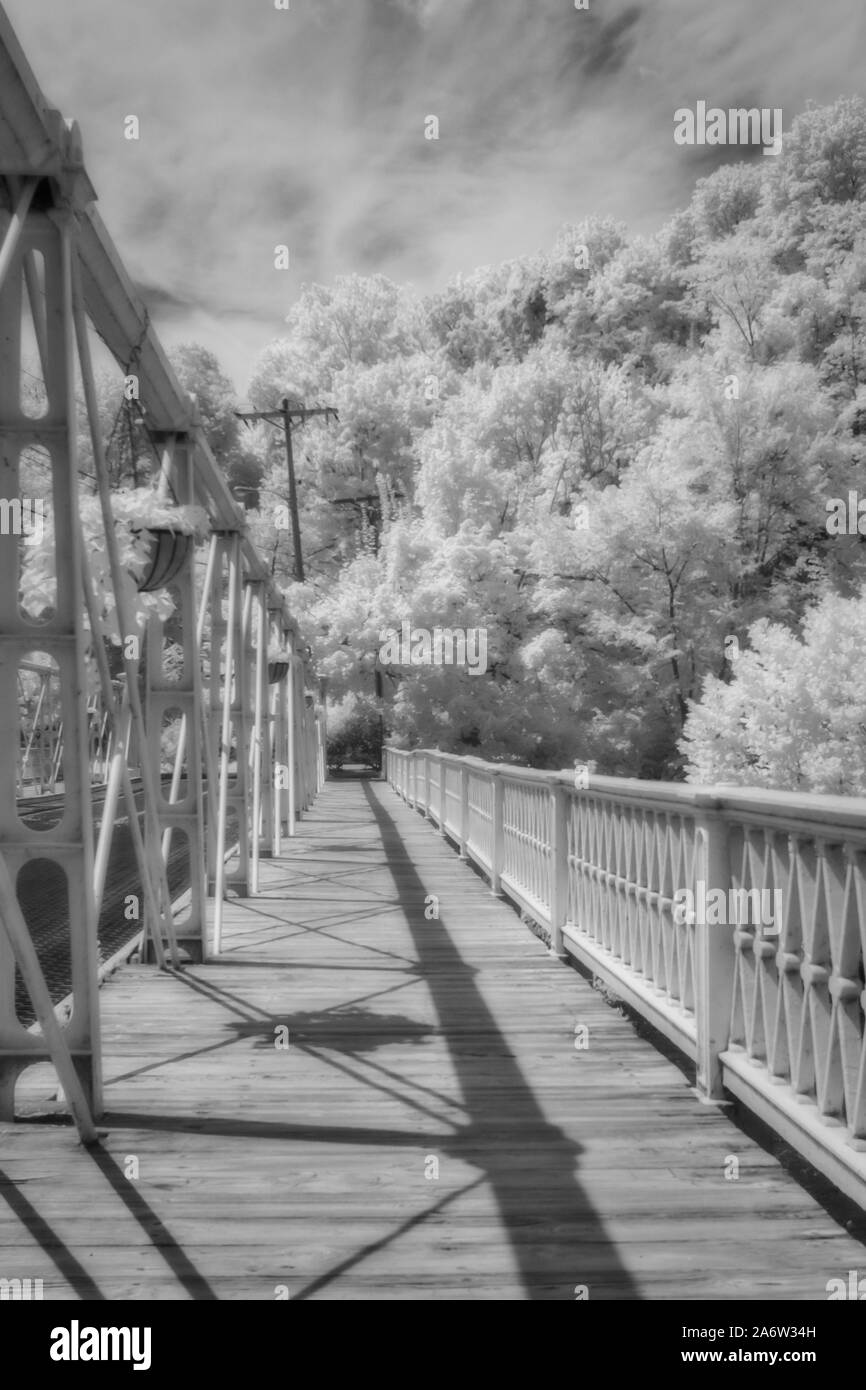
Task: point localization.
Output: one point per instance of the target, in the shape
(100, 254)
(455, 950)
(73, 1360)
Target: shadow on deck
(279, 1124)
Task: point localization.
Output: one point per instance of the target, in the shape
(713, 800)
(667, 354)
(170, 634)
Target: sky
(305, 127)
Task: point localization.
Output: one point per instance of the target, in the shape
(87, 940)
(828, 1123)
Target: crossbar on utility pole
(284, 416)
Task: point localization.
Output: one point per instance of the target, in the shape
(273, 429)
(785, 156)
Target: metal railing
(733, 920)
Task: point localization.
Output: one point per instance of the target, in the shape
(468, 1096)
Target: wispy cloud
(306, 127)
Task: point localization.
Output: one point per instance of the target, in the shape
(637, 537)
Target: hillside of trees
(617, 457)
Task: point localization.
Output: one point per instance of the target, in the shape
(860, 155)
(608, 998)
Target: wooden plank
(410, 1038)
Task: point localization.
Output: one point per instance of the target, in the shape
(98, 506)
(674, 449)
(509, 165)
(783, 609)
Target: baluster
(558, 888)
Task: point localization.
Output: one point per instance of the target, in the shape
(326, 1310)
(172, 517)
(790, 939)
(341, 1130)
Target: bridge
(462, 1031)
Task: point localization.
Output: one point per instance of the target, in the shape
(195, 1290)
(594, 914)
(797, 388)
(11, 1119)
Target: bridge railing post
(497, 836)
(559, 810)
(443, 776)
(426, 787)
(464, 809)
(714, 955)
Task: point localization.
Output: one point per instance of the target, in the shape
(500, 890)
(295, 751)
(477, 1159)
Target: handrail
(842, 810)
(733, 919)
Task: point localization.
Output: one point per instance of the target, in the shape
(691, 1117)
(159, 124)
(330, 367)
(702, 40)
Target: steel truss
(248, 750)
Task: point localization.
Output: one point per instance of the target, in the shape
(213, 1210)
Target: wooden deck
(429, 1132)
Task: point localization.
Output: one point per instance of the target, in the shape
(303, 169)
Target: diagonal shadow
(304, 929)
(400, 1079)
(234, 1127)
(72, 1270)
(154, 1228)
(379, 1086)
(522, 1154)
(375, 1246)
(343, 1027)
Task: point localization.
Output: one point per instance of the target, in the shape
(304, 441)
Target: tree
(199, 373)
(792, 717)
(613, 457)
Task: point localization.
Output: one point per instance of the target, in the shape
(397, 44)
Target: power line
(284, 416)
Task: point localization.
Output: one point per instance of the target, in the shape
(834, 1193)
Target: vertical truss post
(323, 696)
(279, 764)
(123, 727)
(225, 738)
(303, 742)
(242, 719)
(149, 774)
(258, 621)
(271, 777)
(233, 697)
(119, 749)
(309, 745)
(218, 636)
(292, 740)
(45, 226)
(183, 810)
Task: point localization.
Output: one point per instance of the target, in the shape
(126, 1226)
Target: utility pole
(284, 416)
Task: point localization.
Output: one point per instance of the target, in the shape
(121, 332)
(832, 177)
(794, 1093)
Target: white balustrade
(733, 920)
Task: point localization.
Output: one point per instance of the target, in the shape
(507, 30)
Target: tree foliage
(612, 457)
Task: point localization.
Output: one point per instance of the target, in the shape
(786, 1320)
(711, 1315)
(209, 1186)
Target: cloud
(306, 127)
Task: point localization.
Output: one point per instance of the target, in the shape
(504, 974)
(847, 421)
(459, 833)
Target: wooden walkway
(430, 1131)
